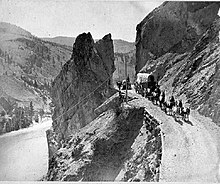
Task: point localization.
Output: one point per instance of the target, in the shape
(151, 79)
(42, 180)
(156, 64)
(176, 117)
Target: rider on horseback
(162, 99)
(180, 104)
(172, 101)
(157, 93)
(158, 90)
(119, 84)
(163, 96)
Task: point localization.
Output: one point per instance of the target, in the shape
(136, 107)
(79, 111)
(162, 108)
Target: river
(24, 153)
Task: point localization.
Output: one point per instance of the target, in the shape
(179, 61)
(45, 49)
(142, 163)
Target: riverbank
(24, 153)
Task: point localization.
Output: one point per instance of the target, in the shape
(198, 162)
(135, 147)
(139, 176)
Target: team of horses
(170, 106)
(122, 84)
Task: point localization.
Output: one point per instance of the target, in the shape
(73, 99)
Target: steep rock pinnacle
(83, 84)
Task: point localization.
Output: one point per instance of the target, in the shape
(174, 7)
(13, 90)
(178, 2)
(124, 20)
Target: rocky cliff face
(191, 74)
(194, 76)
(83, 84)
(172, 27)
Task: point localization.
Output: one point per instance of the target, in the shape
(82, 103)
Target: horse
(169, 107)
(139, 89)
(177, 111)
(180, 104)
(172, 103)
(124, 85)
(149, 94)
(136, 87)
(157, 96)
(162, 100)
(185, 113)
(144, 92)
(121, 97)
(119, 84)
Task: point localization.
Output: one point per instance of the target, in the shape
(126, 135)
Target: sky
(50, 18)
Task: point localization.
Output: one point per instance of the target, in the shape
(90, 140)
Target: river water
(24, 153)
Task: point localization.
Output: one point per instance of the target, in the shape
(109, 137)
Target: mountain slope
(173, 27)
(192, 74)
(63, 40)
(195, 77)
(30, 63)
(120, 46)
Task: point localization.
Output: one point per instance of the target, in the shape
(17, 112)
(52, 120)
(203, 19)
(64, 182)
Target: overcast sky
(50, 18)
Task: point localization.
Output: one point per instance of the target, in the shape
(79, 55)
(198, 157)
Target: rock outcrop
(172, 27)
(116, 146)
(83, 84)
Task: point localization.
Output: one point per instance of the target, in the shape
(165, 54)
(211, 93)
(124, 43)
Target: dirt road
(191, 151)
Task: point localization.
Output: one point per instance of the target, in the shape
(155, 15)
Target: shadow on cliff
(111, 152)
(98, 151)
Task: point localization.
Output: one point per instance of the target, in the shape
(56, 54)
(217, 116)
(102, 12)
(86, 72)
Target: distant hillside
(28, 64)
(120, 46)
(120, 59)
(63, 40)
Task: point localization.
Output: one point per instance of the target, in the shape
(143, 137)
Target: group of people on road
(151, 90)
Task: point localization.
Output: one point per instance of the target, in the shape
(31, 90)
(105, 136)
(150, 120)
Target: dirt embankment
(121, 144)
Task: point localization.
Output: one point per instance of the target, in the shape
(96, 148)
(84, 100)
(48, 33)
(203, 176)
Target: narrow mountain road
(24, 153)
(191, 151)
